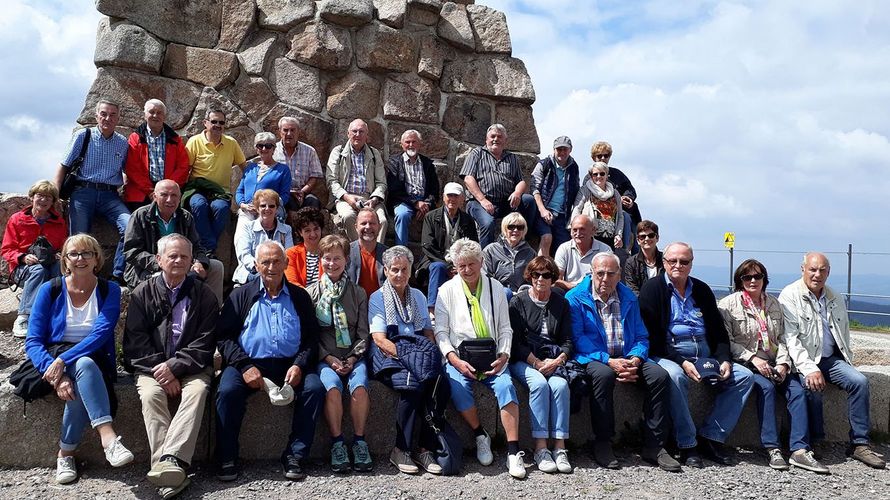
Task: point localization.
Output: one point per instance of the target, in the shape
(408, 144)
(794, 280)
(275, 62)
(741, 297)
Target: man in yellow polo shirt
(212, 156)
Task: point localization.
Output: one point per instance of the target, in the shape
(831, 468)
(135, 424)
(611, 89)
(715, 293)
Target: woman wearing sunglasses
(755, 325)
(505, 259)
(262, 173)
(646, 263)
(599, 199)
(248, 237)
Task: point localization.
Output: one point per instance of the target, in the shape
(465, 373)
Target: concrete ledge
(32, 440)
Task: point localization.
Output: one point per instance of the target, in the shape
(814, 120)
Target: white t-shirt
(573, 265)
(79, 321)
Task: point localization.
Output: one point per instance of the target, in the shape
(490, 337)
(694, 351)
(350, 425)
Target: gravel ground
(751, 478)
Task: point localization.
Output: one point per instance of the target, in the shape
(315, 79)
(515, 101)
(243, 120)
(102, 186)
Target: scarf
(329, 309)
(476, 316)
(598, 192)
(762, 333)
(397, 312)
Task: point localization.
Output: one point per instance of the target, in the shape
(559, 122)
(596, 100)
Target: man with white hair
(156, 152)
(302, 160)
(413, 184)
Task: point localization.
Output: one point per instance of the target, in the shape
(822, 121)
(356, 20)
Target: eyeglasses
(647, 236)
(265, 146)
(80, 255)
(598, 174)
(217, 122)
(602, 274)
(515, 227)
(677, 262)
(752, 277)
(543, 276)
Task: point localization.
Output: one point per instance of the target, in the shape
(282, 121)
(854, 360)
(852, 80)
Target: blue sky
(766, 118)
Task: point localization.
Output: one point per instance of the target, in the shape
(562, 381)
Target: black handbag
(479, 353)
(69, 182)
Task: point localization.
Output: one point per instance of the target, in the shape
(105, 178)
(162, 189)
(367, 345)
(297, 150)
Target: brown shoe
(866, 455)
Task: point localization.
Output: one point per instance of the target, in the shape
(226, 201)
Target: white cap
(279, 396)
(453, 188)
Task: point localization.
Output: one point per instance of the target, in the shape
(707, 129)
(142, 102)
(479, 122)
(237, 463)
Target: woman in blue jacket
(262, 173)
(71, 342)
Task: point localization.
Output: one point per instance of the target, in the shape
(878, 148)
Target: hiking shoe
(805, 459)
(293, 470)
(167, 473)
(402, 461)
(561, 457)
(66, 470)
(361, 456)
(427, 462)
(339, 458)
(545, 461)
(602, 453)
(776, 460)
(483, 450)
(20, 327)
(515, 464)
(117, 454)
(227, 471)
(166, 492)
(661, 458)
(866, 455)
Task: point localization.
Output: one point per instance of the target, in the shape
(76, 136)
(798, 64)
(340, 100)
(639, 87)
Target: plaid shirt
(303, 164)
(156, 154)
(415, 181)
(104, 159)
(610, 312)
(357, 181)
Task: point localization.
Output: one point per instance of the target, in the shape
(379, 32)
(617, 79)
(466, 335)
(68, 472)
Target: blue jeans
(330, 379)
(548, 400)
(486, 222)
(765, 394)
(83, 206)
(210, 219)
(462, 391)
(89, 406)
(34, 276)
(404, 213)
(439, 274)
(728, 405)
(557, 228)
(855, 384)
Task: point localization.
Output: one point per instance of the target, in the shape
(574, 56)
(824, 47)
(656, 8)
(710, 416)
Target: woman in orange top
(303, 261)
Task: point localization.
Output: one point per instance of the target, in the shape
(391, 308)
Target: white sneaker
(561, 457)
(515, 465)
(66, 470)
(117, 454)
(545, 461)
(483, 450)
(20, 327)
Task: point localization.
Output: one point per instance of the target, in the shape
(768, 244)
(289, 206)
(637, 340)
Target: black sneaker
(228, 471)
(292, 469)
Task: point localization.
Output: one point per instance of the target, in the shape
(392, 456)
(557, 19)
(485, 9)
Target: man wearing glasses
(212, 156)
(685, 327)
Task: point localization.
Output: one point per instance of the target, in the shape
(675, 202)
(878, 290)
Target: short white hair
(155, 103)
(604, 256)
(397, 252)
(170, 238)
(269, 243)
(288, 119)
(465, 248)
(497, 126)
(264, 137)
(678, 244)
(411, 131)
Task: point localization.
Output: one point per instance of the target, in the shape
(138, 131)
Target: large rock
(213, 68)
(432, 58)
(165, 18)
(467, 119)
(354, 96)
(391, 12)
(254, 96)
(211, 99)
(521, 132)
(381, 48)
(126, 45)
(435, 141)
(262, 47)
(454, 26)
(132, 89)
(297, 84)
(489, 29)
(411, 98)
(282, 15)
(424, 11)
(322, 45)
(351, 13)
(314, 130)
(238, 17)
(490, 76)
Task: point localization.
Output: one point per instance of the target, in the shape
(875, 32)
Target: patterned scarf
(476, 310)
(329, 309)
(397, 312)
(760, 314)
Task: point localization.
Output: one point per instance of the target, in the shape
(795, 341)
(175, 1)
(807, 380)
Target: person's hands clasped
(548, 366)
(65, 389)
(497, 365)
(626, 369)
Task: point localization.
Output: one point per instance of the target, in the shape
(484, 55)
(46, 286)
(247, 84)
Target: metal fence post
(731, 267)
(849, 273)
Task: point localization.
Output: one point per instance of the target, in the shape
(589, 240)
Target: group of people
(309, 320)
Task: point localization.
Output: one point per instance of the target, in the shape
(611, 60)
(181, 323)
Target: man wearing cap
(267, 329)
(302, 160)
(573, 257)
(611, 343)
(413, 184)
(168, 343)
(554, 187)
(493, 179)
(817, 331)
(441, 228)
(687, 334)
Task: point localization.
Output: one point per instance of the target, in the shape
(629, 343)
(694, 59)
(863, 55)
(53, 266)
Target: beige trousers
(177, 435)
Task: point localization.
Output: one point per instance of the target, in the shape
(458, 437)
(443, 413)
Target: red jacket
(22, 230)
(139, 186)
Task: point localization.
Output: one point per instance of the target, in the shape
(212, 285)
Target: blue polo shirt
(686, 318)
(272, 327)
(104, 160)
(558, 199)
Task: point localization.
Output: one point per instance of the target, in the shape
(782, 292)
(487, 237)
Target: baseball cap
(278, 396)
(708, 369)
(453, 188)
(562, 142)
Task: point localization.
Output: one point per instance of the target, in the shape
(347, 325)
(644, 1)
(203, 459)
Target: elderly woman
(31, 244)
(645, 264)
(71, 342)
(542, 343)
(399, 311)
(342, 311)
(505, 259)
(264, 173)
(756, 330)
(266, 227)
(303, 262)
(473, 308)
(599, 199)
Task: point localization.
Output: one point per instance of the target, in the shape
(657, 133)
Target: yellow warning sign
(729, 240)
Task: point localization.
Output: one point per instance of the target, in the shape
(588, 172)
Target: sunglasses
(598, 174)
(80, 255)
(752, 277)
(265, 146)
(515, 227)
(217, 122)
(677, 262)
(602, 156)
(268, 205)
(543, 276)
(647, 236)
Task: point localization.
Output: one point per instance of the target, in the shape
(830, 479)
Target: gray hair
(590, 222)
(600, 166)
(606, 255)
(263, 137)
(497, 126)
(808, 255)
(169, 239)
(269, 243)
(108, 102)
(153, 103)
(678, 244)
(465, 248)
(288, 119)
(397, 252)
(411, 131)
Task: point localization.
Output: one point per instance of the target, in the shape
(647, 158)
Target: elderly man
(612, 344)
(103, 153)
(441, 228)
(356, 177)
(156, 153)
(687, 334)
(150, 223)
(492, 176)
(208, 194)
(365, 265)
(413, 184)
(555, 184)
(817, 332)
(169, 342)
(268, 334)
(573, 257)
(302, 160)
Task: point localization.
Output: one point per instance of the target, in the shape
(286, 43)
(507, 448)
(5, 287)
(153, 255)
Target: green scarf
(329, 309)
(476, 310)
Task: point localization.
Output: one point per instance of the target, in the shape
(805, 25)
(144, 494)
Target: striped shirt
(414, 179)
(311, 268)
(357, 180)
(303, 164)
(104, 160)
(156, 154)
(497, 179)
(610, 312)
